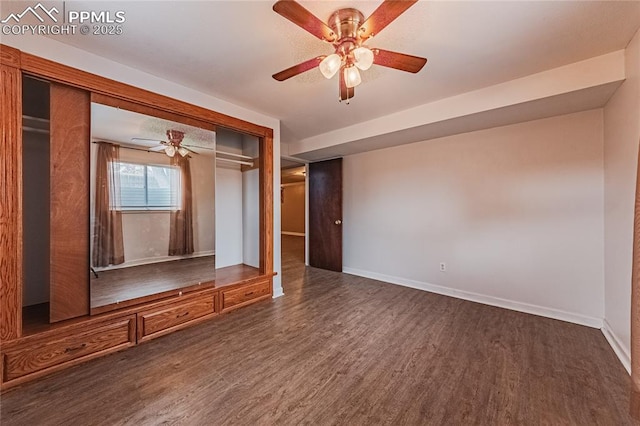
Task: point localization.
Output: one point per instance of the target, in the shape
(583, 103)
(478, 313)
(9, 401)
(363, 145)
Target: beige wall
(293, 208)
(621, 137)
(516, 213)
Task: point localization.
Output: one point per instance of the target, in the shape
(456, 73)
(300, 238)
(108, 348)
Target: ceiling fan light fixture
(183, 151)
(170, 150)
(330, 65)
(347, 30)
(363, 58)
(352, 76)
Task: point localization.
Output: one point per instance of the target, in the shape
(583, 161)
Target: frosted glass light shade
(170, 150)
(183, 151)
(352, 77)
(363, 58)
(330, 65)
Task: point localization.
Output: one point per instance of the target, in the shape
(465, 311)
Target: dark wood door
(325, 215)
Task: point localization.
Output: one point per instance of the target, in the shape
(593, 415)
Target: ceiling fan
(348, 31)
(172, 146)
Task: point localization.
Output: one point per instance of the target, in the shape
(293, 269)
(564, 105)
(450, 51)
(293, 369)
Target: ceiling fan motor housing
(175, 137)
(345, 24)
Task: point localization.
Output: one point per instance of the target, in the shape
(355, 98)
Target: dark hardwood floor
(339, 349)
(293, 269)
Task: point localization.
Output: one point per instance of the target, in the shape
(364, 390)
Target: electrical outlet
(443, 267)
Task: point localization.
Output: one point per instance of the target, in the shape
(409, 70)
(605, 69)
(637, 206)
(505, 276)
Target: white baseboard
(159, 259)
(277, 285)
(277, 292)
(484, 299)
(295, 234)
(618, 347)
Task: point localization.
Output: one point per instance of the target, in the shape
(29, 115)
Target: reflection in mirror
(238, 200)
(152, 206)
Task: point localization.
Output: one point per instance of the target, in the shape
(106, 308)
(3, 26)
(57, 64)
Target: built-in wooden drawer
(237, 297)
(166, 318)
(72, 345)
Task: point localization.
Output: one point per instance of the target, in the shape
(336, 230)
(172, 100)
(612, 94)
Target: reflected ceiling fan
(348, 31)
(172, 146)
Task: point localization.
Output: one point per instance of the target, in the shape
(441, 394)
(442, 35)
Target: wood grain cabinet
(166, 318)
(245, 295)
(62, 328)
(43, 353)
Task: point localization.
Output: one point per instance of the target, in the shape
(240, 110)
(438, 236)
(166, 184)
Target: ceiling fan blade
(157, 148)
(298, 69)
(346, 93)
(386, 13)
(300, 16)
(399, 61)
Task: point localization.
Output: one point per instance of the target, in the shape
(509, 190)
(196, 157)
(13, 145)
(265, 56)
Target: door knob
(338, 222)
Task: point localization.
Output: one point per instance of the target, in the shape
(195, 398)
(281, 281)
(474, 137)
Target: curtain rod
(216, 151)
(130, 147)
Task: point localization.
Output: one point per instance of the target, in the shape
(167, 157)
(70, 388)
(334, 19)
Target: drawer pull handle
(77, 348)
(184, 314)
(249, 294)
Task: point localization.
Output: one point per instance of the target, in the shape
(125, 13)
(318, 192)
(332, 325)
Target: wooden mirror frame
(13, 65)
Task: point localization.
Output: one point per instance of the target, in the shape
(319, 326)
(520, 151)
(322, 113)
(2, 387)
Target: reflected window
(147, 187)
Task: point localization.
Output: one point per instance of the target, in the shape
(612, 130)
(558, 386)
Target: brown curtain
(181, 232)
(108, 247)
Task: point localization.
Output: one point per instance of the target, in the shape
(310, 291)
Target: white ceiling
(230, 49)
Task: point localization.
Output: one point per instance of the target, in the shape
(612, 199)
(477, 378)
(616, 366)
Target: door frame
(306, 201)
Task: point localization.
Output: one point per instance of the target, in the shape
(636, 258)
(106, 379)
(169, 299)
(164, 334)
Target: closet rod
(246, 163)
(234, 155)
(30, 117)
(35, 130)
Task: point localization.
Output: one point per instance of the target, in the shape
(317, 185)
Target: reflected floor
(117, 285)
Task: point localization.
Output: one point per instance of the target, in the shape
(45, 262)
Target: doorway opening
(293, 201)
